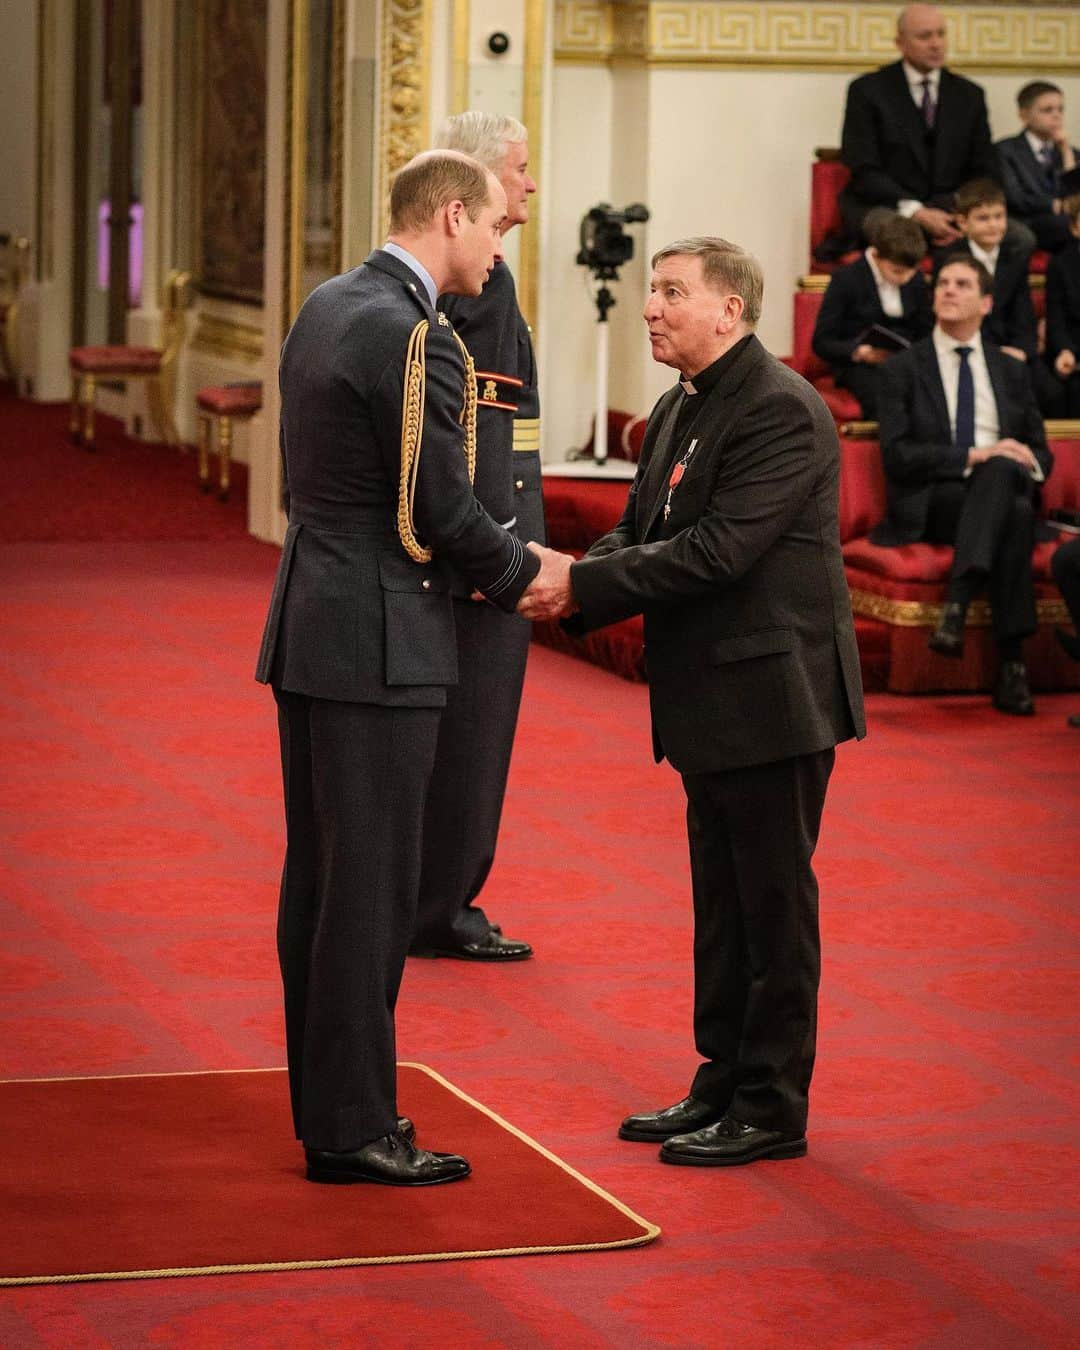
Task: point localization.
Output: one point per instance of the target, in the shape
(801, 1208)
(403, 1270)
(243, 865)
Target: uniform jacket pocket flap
(399, 573)
(767, 642)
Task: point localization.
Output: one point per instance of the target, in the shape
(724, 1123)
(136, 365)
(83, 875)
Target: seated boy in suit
(1033, 161)
(982, 218)
(1063, 308)
(883, 288)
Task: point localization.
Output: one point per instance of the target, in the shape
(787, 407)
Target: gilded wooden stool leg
(89, 393)
(76, 398)
(224, 442)
(204, 453)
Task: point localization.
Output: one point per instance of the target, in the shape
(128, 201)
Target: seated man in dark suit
(1063, 307)
(913, 132)
(883, 288)
(1033, 161)
(1011, 323)
(964, 446)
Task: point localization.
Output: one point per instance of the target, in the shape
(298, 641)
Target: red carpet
(140, 838)
(195, 1174)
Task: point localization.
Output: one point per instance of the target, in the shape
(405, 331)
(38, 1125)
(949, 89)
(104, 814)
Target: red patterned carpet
(140, 834)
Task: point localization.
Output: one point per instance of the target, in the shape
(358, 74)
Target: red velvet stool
(222, 405)
(155, 365)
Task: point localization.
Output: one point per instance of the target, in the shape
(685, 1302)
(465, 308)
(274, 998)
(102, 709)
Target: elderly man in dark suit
(376, 435)
(729, 545)
(964, 448)
(914, 132)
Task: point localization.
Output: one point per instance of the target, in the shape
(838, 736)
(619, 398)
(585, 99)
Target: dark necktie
(928, 106)
(965, 403)
(1046, 157)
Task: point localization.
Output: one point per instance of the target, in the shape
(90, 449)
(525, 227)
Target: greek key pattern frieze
(813, 35)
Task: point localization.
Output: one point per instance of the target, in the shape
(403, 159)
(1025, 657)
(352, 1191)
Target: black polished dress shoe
(491, 947)
(1070, 642)
(728, 1143)
(1012, 694)
(947, 639)
(389, 1161)
(653, 1126)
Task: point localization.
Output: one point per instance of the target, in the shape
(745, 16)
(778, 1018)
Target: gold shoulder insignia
(443, 320)
(491, 392)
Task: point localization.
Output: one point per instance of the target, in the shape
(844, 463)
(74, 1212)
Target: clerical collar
(705, 379)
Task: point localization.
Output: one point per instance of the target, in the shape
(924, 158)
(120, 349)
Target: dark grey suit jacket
(1027, 188)
(916, 437)
(749, 641)
(352, 616)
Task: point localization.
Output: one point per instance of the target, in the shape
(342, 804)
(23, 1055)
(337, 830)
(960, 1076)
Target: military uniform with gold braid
(360, 648)
(476, 736)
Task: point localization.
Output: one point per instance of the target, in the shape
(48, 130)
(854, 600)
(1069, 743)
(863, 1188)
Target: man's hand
(866, 355)
(1004, 449)
(549, 594)
(1015, 353)
(1065, 363)
(938, 224)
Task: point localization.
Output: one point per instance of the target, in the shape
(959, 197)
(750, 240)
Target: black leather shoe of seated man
(947, 639)
(651, 1127)
(389, 1161)
(1012, 693)
(729, 1143)
(491, 947)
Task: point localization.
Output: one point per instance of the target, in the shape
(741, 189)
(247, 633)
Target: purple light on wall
(134, 251)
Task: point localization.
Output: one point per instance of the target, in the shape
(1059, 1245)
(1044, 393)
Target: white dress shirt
(988, 260)
(907, 206)
(987, 426)
(1038, 145)
(888, 292)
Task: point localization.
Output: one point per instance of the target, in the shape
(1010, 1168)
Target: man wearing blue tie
(963, 447)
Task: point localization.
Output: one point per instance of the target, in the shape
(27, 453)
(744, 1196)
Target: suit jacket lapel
(993, 358)
(928, 362)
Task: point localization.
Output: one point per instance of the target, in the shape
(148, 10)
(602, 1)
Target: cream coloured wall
(711, 151)
(18, 94)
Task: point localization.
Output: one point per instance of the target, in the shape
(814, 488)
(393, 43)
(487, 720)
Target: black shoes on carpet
(694, 1134)
(1012, 694)
(730, 1143)
(491, 947)
(393, 1160)
(653, 1127)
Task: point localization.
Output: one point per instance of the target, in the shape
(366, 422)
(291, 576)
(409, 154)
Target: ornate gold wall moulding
(926, 614)
(812, 36)
(230, 338)
(403, 100)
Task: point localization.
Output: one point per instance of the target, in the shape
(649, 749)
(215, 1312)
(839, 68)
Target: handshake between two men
(549, 595)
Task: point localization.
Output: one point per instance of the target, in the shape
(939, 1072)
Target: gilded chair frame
(160, 383)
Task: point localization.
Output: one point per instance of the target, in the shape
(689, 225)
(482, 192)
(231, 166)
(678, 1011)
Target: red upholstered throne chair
(218, 407)
(121, 363)
(904, 588)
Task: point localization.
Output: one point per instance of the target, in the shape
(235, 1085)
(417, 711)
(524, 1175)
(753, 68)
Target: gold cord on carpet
(412, 433)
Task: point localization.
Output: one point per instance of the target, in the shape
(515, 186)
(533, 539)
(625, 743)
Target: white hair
(482, 135)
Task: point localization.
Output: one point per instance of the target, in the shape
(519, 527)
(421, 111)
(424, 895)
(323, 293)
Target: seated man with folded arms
(964, 447)
(1063, 307)
(882, 290)
(1011, 325)
(1033, 161)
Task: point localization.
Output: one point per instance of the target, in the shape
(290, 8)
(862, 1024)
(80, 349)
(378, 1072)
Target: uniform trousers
(355, 778)
(472, 761)
(989, 519)
(757, 952)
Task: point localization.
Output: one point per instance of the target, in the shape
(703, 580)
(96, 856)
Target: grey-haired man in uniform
(476, 733)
